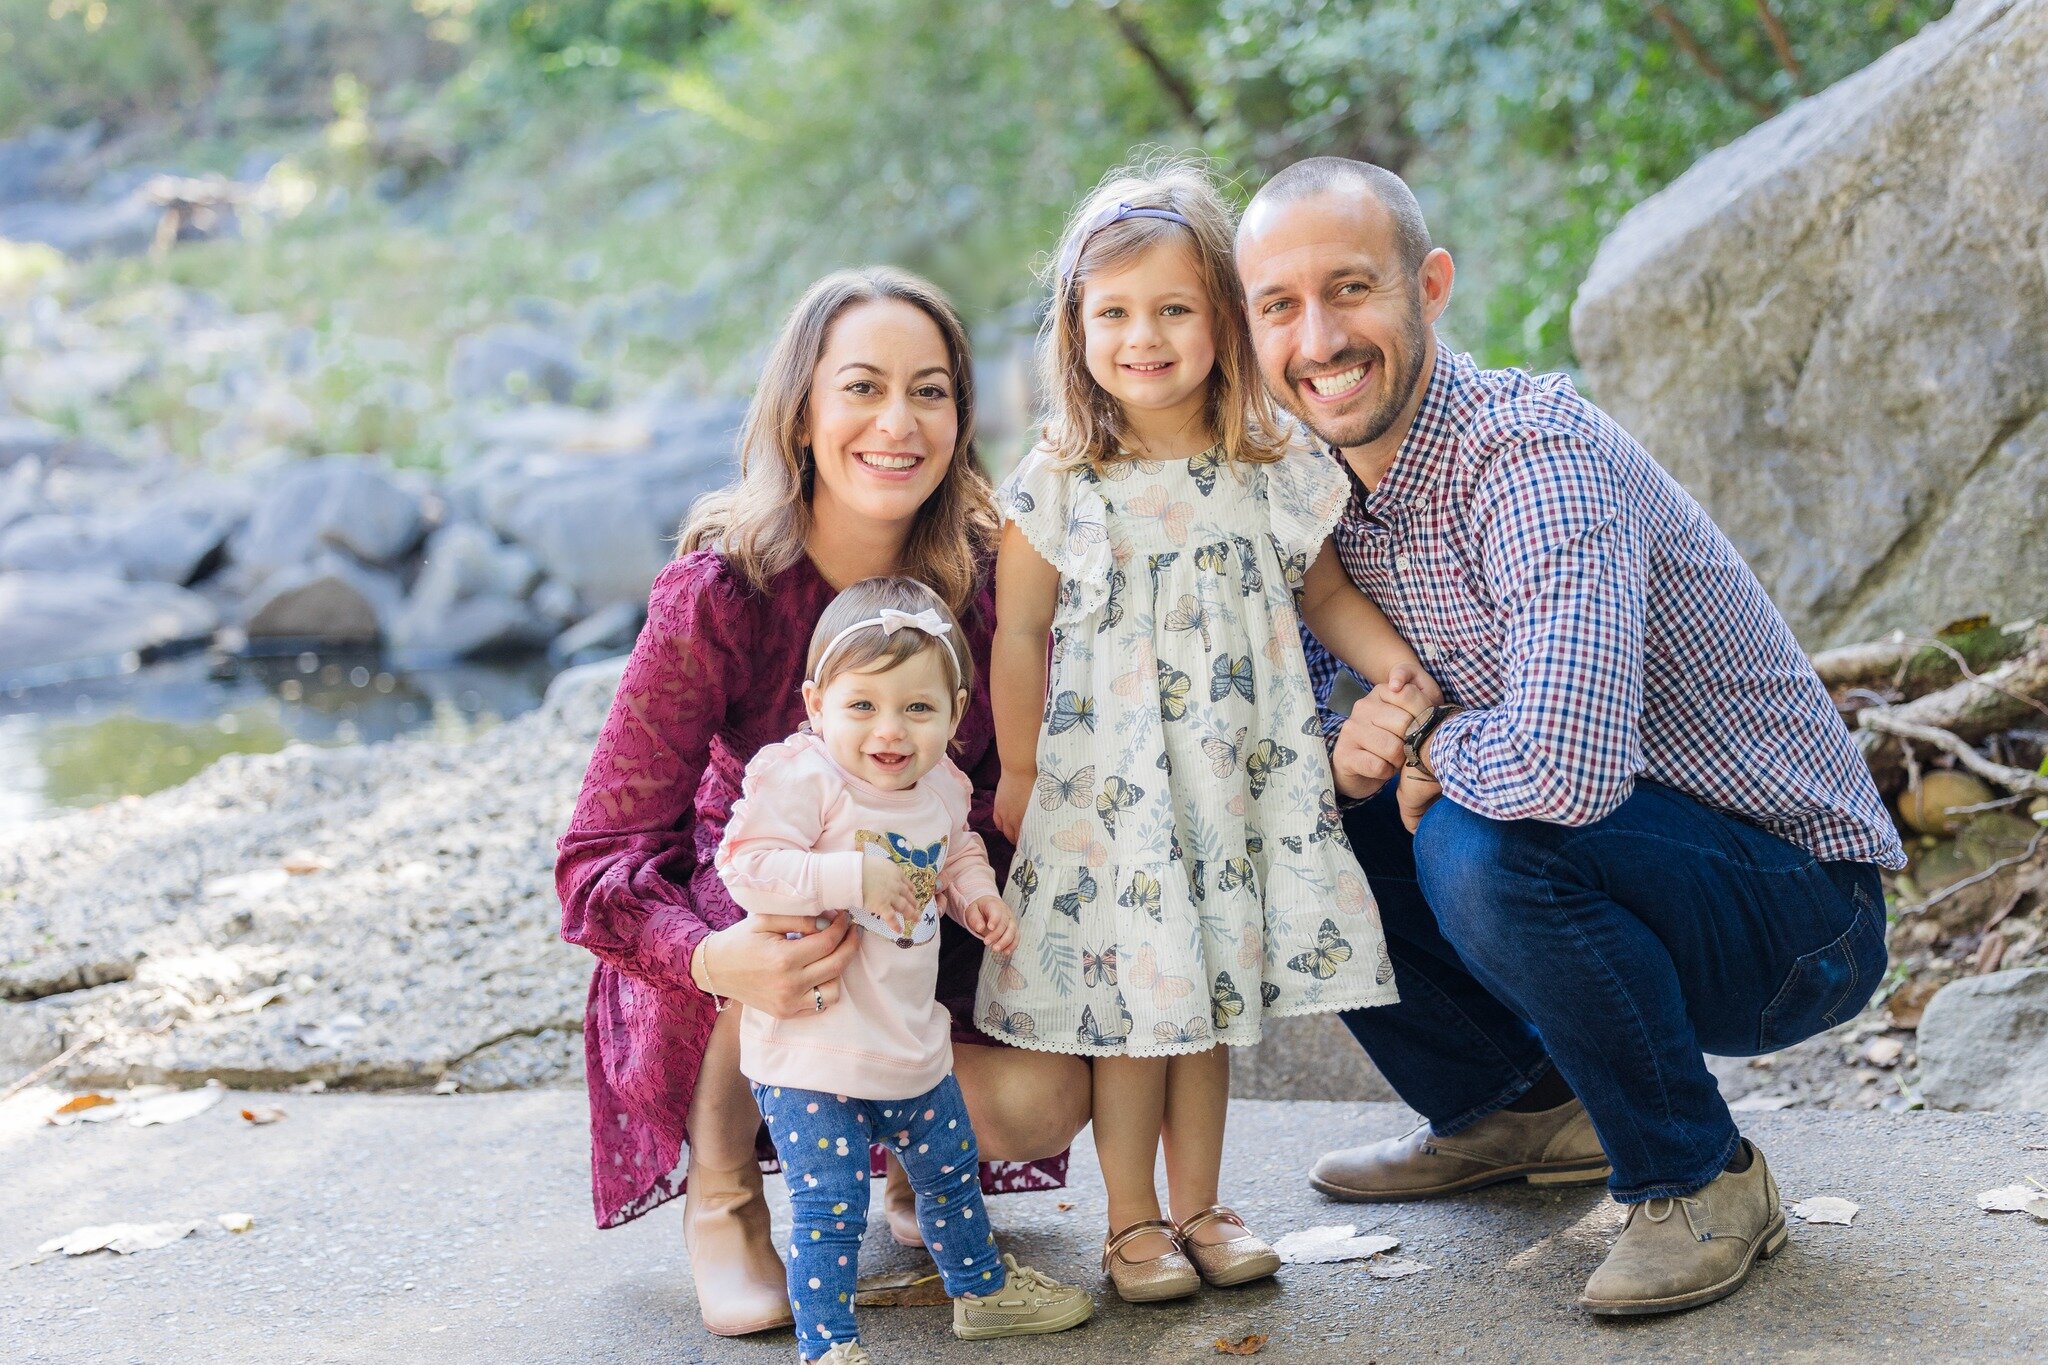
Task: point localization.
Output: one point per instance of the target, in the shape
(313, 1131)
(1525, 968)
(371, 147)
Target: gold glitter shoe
(1169, 1275)
(1239, 1260)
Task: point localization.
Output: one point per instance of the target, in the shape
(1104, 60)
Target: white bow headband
(891, 620)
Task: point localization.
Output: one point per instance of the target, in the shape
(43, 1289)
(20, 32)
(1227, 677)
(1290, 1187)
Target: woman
(856, 461)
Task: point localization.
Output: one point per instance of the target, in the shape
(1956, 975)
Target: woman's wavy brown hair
(1085, 425)
(761, 522)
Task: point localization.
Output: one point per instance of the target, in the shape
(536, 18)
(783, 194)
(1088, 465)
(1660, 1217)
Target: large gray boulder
(331, 599)
(26, 438)
(343, 501)
(515, 362)
(56, 542)
(469, 601)
(51, 623)
(180, 537)
(1984, 1042)
(1834, 331)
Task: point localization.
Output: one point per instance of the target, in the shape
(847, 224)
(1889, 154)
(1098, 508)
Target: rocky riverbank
(376, 916)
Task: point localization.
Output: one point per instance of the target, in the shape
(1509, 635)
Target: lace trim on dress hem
(1382, 995)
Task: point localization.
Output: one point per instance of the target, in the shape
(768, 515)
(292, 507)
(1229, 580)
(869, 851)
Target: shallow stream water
(81, 744)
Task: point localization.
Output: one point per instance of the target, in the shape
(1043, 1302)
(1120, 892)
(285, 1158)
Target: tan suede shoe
(742, 1287)
(1550, 1147)
(1681, 1253)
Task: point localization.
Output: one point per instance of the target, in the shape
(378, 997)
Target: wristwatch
(1419, 731)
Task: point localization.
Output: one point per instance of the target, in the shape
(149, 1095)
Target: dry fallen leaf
(1906, 1004)
(177, 1106)
(268, 1113)
(1064, 1207)
(1825, 1208)
(304, 864)
(901, 1289)
(79, 1103)
(2015, 1199)
(1243, 1346)
(1333, 1242)
(235, 1222)
(333, 1033)
(249, 885)
(1393, 1267)
(118, 1237)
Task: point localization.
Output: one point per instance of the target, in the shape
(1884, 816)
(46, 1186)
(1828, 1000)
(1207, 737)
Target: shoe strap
(1215, 1213)
(1113, 1248)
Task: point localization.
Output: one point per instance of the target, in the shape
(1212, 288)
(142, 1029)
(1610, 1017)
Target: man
(1639, 827)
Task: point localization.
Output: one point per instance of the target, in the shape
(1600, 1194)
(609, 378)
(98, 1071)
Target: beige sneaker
(845, 1353)
(1549, 1147)
(1681, 1253)
(1028, 1303)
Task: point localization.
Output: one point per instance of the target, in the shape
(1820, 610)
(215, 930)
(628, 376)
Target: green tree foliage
(952, 135)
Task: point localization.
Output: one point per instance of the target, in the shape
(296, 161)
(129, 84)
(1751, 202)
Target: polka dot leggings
(823, 1141)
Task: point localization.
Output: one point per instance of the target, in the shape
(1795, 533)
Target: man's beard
(1364, 428)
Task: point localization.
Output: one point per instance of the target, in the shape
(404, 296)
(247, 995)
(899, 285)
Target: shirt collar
(1423, 458)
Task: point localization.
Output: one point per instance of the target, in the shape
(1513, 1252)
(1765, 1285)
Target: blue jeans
(823, 1141)
(1616, 952)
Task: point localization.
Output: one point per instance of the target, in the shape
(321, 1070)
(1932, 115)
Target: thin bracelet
(704, 970)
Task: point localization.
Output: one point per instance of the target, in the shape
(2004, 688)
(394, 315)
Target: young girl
(1181, 871)
(863, 811)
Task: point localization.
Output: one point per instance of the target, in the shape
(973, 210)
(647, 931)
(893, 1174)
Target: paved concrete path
(412, 1228)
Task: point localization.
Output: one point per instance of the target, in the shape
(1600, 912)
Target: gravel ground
(403, 1228)
(415, 936)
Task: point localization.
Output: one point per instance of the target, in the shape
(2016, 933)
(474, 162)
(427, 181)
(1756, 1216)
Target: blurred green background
(429, 162)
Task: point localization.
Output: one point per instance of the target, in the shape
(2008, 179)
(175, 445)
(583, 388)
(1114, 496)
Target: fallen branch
(1967, 711)
(55, 1064)
(1912, 666)
(1922, 906)
(1887, 721)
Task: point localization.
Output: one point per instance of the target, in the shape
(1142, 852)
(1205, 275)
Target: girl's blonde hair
(1085, 425)
(760, 523)
(875, 650)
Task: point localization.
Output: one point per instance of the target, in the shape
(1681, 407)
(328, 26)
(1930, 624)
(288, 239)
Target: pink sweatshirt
(794, 847)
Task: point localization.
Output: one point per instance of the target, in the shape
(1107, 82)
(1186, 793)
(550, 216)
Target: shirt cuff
(839, 880)
(1446, 747)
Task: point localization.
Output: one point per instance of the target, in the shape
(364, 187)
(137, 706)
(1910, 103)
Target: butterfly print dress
(1181, 873)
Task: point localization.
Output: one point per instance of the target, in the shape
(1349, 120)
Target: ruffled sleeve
(1063, 516)
(1306, 493)
(768, 856)
(623, 869)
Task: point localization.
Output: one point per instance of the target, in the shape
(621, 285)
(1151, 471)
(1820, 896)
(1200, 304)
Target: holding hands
(991, 920)
(1371, 750)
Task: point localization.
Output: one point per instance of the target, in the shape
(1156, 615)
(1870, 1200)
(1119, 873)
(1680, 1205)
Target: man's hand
(885, 892)
(1415, 795)
(1013, 798)
(990, 920)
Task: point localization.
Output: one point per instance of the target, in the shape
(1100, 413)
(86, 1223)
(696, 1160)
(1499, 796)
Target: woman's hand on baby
(990, 920)
(756, 962)
(1013, 798)
(885, 891)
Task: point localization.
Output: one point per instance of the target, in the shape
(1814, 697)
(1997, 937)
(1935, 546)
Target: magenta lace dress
(716, 675)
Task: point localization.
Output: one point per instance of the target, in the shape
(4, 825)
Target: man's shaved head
(1328, 174)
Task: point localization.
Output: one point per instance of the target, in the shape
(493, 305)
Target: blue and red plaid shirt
(1599, 626)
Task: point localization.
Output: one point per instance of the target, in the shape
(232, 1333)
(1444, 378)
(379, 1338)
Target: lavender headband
(1071, 257)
